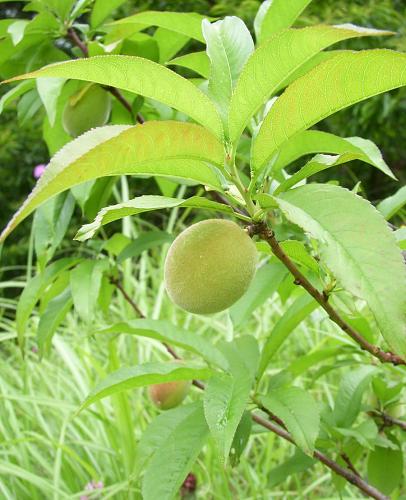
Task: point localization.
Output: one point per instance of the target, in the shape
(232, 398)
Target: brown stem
(322, 298)
(113, 91)
(350, 465)
(388, 420)
(78, 42)
(348, 475)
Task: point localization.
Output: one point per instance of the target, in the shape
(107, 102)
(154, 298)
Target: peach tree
(235, 129)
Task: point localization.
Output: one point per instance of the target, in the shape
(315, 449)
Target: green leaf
(349, 396)
(14, 93)
(178, 449)
(189, 24)
(390, 206)
(160, 429)
(51, 221)
(241, 438)
(400, 236)
(102, 9)
(319, 163)
(264, 285)
(142, 204)
(229, 45)
(276, 15)
(299, 462)
(296, 250)
(155, 148)
(291, 318)
(142, 375)
(86, 277)
(227, 394)
(169, 43)
(299, 412)
(275, 61)
(52, 317)
(16, 30)
(49, 90)
(335, 84)
(143, 242)
(140, 76)
(165, 331)
(34, 290)
(358, 247)
(225, 400)
(385, 469)
(196, 61)
(316, 141)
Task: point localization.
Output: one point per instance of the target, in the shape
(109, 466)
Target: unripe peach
(87, 109)
(169, 394)
(209, 266)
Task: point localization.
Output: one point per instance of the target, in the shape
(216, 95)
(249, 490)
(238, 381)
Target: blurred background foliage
(381, 119)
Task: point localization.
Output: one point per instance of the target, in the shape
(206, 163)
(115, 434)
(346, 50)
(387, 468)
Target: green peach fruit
(169, 394)
(87, 109)
(209, 266)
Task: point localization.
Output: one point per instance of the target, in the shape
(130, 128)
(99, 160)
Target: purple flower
(38, 171)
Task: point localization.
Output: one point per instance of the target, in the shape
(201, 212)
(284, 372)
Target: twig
(269, 236)
(114, 281)
(113, 91)
(78, 42)
(388, 420)
(348, 475)
(350, 465)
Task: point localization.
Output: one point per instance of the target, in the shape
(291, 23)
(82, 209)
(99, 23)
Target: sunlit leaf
(335, 84)
(298, 411)
(274, 61)
(358, 247)
(156, 148)
(143, 375)
(146, 203)
(142, 77)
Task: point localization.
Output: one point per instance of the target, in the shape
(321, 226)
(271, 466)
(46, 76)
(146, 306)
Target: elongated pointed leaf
(385, 468)
(276, 15)
(316, 141)
(358, 247)
(142, 77)
(185, 23)
(14, 93)
(348, 400)
(275, 61)
(54, 314)
(337, 83)
(155, 148)
(102, 9)
(142, 375)
(196, 61)
(174, 457)
(165, 331)
(319, 163)
(227, 394)
(264, 285)
(145, 204)
(34, 290)
(299, 413)
(225, 400)
(292, 317)
(85, 277)
(391, 205)
(229, 45)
